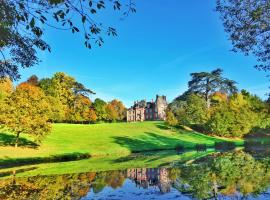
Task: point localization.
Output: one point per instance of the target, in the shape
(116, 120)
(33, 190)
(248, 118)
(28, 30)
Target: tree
(80, 111)
(206, 83)
(57, 109)
(23, 23)
(72, 95)
(234, 118)
(91, 115)
(100, 109)
(6, 87)
(111, 113)
(171, 119)
(119, 109)
(248, 25)
(26, 112)
(33, 80)
(193, 111)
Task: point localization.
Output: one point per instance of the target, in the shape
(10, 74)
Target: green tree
(57, 109)
(193, 110)
(247, 23)
(234, 118)
(23, 24)
(206, 83)
(170, 118)
(26, 112)
(100, 109)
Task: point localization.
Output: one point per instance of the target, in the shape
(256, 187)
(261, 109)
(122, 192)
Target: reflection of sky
(129, 191)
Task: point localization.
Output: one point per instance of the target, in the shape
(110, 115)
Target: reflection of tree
(71, 186)
(225, 174)
(47, 187)
(113, 179)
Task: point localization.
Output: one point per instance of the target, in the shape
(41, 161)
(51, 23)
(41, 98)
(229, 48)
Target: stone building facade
(148, 111)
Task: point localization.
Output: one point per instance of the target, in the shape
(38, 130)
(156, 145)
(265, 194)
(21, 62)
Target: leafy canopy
(23, 24)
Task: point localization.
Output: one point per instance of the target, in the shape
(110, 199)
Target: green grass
(103, 140)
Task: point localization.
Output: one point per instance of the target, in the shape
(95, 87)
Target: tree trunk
(17, 140)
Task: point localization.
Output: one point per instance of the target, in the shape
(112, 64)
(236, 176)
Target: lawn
(100, 140)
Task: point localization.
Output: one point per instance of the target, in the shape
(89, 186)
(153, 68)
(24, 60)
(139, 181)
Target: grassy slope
(107, 139)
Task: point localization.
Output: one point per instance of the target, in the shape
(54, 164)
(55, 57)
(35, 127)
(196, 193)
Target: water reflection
(227, 175)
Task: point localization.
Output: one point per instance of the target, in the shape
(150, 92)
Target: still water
(234, 174)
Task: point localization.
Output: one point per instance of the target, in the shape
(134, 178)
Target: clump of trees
(213, 104)
(33, 105)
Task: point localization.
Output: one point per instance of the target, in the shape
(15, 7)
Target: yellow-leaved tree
(26, 111)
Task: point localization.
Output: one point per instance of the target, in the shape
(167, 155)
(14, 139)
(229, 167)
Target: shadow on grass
(9, 140)
(8, 173)
(9, 162)
(150, 142)
(162, 126)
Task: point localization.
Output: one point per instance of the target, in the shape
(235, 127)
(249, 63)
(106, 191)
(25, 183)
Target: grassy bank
(98, 164)
(102, 140)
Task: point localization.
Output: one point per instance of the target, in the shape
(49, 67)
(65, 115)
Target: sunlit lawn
(104, 140)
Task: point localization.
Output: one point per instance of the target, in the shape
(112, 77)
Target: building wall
(161, 103)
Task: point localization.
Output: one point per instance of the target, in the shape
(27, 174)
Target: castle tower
(161, 106)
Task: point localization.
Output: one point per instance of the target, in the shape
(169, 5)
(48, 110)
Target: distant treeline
(67, 100)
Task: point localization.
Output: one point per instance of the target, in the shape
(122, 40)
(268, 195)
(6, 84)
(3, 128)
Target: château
(148, 111)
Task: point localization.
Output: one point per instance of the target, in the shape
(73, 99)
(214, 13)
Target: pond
(242, 173)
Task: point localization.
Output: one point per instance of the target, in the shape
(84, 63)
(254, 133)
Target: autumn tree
(72, 95)
(23, 24)
(248, 26)
(119, 108)
(26, 112)
(91, 115)
(6, 87)
(111, 112)
(33, 80)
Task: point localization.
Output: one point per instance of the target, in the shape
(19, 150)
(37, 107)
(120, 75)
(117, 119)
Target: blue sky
(156, 50)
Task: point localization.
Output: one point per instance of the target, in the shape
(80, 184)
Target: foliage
(247, 23)
(6, 87)
(192, 111)
(115, 110)
(170, 118)
(70, 97)
(23, 24)
(226, 174)
(236, 117)
(100, 108)
(212, 105)
(206, 83)
(26, 112)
